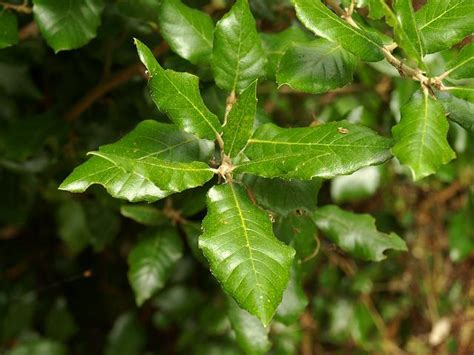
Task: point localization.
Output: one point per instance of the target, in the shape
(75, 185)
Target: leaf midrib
(247, 245)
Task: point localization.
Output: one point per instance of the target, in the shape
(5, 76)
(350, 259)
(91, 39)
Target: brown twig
(113, 82)
(23, 8)
(28, 31)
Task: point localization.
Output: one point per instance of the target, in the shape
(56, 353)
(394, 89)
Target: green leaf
(316, 67)
(238, 57)
(72, 226)
(67, 24)
(8, 29)
(143, 9)
(357, 186)
(189, 32)
(461, 235)
(458, 110)
(326, 150)
(421, 141)
(463, 92)
(250, 263)
(151, 262)
(445, 23)
(250, 334)
(59, 323)
(143, 214)
(463, 65)
(151, 162)
(127, 337)
(283, 196)
(39, 347)
(356, 234)
(294, 299)
(177, 95)
(406, 32)
(240, 121)
(276, 44)
(324, 23)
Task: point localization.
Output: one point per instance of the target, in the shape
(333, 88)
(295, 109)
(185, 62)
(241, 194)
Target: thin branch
(23, 8)
(113, 82)
(28, 31)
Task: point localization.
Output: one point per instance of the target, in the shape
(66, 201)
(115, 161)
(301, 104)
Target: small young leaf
(127, 337)
(463, 65)
(240, 121)
(276, 44)
(72, 226)
(421, 141)
(143, 214)
(67, 24)
(151, 162)
(356, 233)
(458, 110)
(177, 95)
(151, 262)
(8, 29)
(406, 32)
(327, 150)
(316, 67)
(189, 32)
(249, 331)
(250, 263)
(283, 196)
(238, 57)
(323, 22)
(445, 23)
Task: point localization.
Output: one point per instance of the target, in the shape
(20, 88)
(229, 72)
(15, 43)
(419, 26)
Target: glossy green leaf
(238, 57)
(177, 95)
(324, 23)
(143, 214)
(421, 141)
(357, 186)
(8, 29)
(149, 163)
(463, 65)
(406, 32)
(39, 347)
(127, 336)
(240, 121)
(276, 44)
(356, 234)
(294, 300)
(151, 262)
(283, 196)
(189, 32)
(326, 150)
(250, 334)
(68, 24)
(316, 67)
(458, 110)
(445, 23)
(249, 262)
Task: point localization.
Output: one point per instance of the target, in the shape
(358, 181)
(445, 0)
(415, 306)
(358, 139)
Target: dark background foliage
(63, 257)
